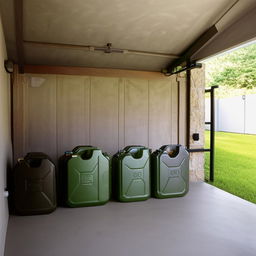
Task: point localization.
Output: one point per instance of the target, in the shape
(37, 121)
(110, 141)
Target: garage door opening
(235, 124)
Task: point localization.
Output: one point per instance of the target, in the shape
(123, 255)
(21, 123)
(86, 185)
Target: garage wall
(54, 113)
(5, 138)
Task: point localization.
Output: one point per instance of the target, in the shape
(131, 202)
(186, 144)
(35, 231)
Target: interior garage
(113, 74)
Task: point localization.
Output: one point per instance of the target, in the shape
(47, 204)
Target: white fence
(237, 114)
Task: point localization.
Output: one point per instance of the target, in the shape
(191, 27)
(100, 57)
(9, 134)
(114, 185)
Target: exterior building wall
(197, 120)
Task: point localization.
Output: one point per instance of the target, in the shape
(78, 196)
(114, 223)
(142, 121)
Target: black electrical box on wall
(195, 136)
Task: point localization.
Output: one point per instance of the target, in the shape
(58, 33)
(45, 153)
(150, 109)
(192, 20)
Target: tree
(236, 69)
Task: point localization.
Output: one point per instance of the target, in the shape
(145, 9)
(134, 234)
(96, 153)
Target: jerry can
(85, 177)
(170, 171)
(34, 185)
(131, 174)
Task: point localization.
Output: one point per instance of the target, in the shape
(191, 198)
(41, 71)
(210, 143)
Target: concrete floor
(208, 221)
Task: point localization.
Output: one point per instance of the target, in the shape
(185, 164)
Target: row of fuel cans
(88, 177)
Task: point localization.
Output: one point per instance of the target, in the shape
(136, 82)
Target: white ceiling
(166, 26)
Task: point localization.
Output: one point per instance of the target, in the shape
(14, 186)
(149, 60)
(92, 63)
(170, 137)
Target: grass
(235, 164)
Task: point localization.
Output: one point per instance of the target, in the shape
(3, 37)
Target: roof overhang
(145, 35)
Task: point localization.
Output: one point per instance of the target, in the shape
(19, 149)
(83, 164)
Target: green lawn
(235, 164)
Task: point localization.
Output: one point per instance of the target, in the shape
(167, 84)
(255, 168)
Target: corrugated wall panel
(136, 112)
(104, 114)
(40, 115)
(159, 113)
(72, 118)
(60, 112)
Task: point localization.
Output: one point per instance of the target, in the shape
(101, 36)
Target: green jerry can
(131, 174)
(87, 181)
(170, 171)
(34, 185)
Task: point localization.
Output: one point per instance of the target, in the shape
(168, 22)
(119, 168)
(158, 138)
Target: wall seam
(86, 136)
(90, 103)
(124, 108)
(25, 112)
(118, 110)
(178, 114)
(148, 114)
(56, 118)
(170, 102)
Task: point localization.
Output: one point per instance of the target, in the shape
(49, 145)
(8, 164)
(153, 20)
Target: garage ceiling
(163, 26)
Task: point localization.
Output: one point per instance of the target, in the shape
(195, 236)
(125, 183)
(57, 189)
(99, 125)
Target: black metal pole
(212, 133)
(188, 92)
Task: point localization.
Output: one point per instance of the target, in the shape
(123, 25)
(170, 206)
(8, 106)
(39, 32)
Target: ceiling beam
(18, 13)
(85, 71)
(192, 50)
(243, 30)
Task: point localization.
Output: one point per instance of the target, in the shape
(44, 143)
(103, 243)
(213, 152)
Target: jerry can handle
(174, 150)
(36, 155)
(78, 149)
(165, 147)
(129, 148)
(20, 159)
